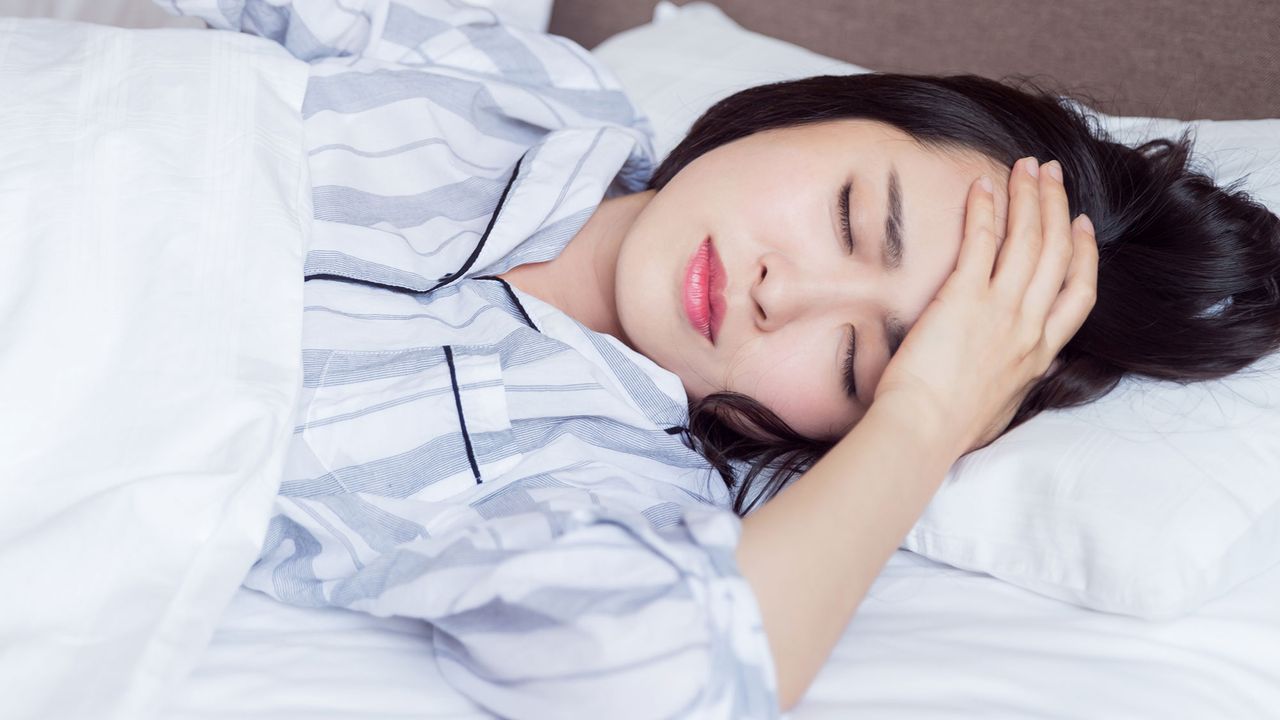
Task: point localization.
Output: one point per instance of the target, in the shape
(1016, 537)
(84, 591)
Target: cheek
(790, 379)
(752, 193)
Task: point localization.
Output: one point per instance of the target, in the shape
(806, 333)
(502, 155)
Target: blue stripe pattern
(465, 453)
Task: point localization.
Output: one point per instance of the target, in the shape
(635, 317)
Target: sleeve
(569, 606)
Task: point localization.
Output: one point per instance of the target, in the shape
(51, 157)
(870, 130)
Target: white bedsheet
(929, 641)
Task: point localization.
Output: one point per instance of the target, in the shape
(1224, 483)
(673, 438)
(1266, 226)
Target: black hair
(1188, 272)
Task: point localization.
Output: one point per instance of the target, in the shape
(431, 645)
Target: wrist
(924, 421)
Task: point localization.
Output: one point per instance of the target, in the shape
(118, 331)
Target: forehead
(872, 147)
(874, 137)
(937, 173)
(935, 180)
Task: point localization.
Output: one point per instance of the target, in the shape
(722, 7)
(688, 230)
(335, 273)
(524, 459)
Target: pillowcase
(1148, 502)
(154, 199)
(693, 55)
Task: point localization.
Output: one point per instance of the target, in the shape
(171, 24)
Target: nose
(785, 291)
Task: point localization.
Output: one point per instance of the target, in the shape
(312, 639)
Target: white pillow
(690, 56)
(153, 204)
(1148, 502)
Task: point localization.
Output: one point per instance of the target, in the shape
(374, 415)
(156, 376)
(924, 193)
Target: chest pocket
(425, 423)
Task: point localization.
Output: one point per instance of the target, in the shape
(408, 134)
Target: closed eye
(844, 215)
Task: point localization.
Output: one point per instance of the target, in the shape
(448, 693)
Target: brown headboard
(1184, 59)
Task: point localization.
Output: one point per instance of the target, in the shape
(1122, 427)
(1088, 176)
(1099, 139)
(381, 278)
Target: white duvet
(153, 205)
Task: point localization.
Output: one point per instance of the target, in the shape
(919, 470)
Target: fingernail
(1054, 169)
(985, 182)
(1031, 166)
(1086, 223)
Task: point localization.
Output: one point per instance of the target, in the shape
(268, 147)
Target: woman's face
(770, 204)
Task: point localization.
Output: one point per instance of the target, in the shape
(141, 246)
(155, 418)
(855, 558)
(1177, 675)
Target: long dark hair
(1188, 273)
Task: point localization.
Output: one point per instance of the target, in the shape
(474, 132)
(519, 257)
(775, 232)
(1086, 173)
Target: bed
(929, 641)
(932, 639)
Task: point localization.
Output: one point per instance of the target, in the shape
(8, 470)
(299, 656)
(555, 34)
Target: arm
(812, 552)
(547, 600)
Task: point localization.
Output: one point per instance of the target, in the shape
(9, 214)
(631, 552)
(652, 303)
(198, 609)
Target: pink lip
(718, 280)
(704, 281)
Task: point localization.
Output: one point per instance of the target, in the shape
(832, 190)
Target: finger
(1021, 251)
(1058, 247)
(1078, 295)
(978, 246)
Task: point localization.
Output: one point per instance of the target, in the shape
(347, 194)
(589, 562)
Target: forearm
(811, 553)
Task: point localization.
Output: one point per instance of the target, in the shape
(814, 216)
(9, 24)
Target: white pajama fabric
(465, 453)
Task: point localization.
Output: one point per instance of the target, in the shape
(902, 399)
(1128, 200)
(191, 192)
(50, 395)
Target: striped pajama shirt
(465, 453)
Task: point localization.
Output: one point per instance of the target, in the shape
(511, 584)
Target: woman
(507, 319)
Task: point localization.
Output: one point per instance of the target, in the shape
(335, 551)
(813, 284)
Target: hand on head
(1003, 315)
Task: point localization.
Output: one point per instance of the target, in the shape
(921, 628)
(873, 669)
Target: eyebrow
(891, 253)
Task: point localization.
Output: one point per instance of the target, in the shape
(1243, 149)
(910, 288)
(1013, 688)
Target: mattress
(929, 641)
